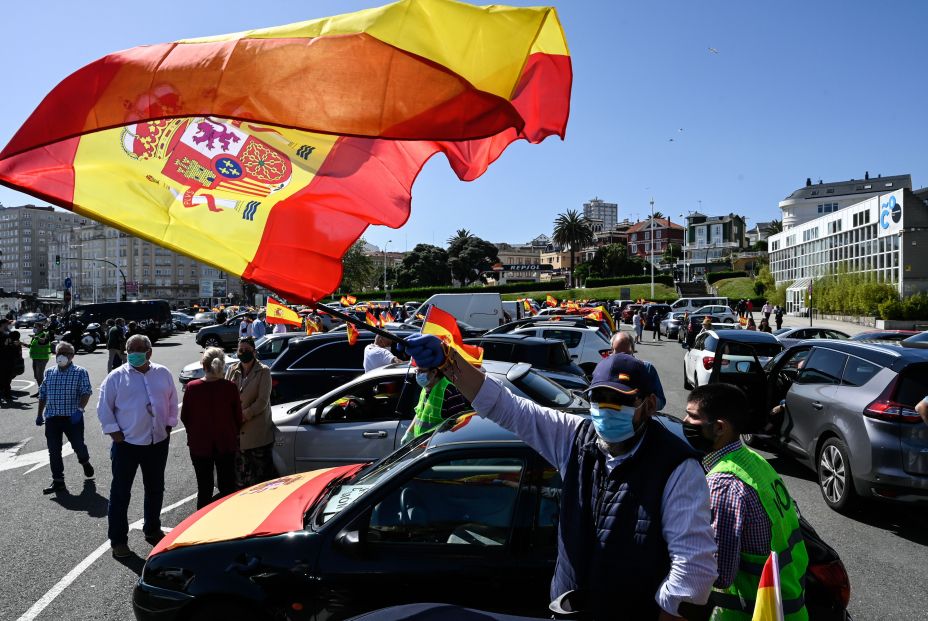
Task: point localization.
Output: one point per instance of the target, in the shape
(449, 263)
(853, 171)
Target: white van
(684, 305)
(483, 311)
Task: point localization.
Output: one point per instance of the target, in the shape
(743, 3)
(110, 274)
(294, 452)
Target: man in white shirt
(137, 409)
(378, 354)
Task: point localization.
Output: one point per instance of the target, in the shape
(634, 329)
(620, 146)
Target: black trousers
(203, 467)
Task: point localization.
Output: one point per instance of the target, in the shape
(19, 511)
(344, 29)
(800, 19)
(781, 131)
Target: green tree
(583, 271)
(461, 235)
(425, 266)
(776, 226)
(469, 256)
(357, 267)
(672, 252)
(573, 231)
(658, 215)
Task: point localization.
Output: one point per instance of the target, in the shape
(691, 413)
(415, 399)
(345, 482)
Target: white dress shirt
(140, 405)
(685, 516)
(376, 357)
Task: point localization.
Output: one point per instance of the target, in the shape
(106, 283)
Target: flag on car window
(267, 153)
(352, 333)
(278, 313)
(445, 326)
(769, 603)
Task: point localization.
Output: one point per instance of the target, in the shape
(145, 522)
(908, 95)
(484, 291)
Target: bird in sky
(713, 50)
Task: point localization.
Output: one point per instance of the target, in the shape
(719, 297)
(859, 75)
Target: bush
(759, 288)
(912, 307)
(628, 280)
(852, 294)
(422, 293)
(712, 277)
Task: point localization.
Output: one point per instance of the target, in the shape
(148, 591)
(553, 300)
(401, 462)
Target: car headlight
(172, 578)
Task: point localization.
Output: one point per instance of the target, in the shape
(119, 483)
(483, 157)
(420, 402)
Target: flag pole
(360, 324)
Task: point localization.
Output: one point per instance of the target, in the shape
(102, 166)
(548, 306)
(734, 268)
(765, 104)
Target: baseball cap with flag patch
(624, 374)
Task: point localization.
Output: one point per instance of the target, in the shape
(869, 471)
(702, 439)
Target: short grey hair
(64, 348)
(138, 338)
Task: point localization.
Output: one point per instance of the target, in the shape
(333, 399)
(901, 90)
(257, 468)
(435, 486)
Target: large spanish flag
(267, 153)
(445, 326)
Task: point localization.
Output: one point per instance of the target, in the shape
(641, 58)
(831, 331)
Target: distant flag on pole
(445, 326)
(278, 313)
(370, 320)
(352, 333)
(528, 307)
(267, 153)
(769, 603)
(348, 300)
(551, 301)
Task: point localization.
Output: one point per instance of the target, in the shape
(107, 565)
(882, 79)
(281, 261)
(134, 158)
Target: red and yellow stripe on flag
(370, 320)
(769, 603)
(267, 153)
(551, 301)
(278, 313)
(352, 333)
(445, 326)
(270, 508)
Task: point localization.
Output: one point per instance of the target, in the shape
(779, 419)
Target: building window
(634, 248)
(658, 234)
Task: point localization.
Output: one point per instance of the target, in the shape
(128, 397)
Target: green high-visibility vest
(428, 410)
(40, 347)
(737, 601)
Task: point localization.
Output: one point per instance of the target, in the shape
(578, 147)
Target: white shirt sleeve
(106, 407)
(548, 431)
(687, 528)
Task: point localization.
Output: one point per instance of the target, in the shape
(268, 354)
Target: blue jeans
(55, 428)
(127, 459)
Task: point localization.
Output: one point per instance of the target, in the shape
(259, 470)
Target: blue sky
(796, 89)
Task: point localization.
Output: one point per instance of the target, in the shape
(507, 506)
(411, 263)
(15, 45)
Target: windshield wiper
(323, 497)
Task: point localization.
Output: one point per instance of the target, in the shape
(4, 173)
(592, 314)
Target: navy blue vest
(610, 545)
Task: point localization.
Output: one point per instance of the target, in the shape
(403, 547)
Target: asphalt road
(56, 561)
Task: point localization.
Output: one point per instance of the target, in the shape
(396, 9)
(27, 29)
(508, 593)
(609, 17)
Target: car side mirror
(350, 539)
(311, 417)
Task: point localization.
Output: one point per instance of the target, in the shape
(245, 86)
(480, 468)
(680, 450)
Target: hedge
(712, 277)
(628, 280)
(423, 293)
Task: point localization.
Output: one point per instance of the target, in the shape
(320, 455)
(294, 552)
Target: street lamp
(389, 241)
(121, 273)
(651, 227)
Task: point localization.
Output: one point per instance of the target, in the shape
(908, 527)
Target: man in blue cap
(634, 535)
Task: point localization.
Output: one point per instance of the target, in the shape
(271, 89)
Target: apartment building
(25, 234)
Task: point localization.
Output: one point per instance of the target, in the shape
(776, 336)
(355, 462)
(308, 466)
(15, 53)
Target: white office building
(885, 236)
(815, 200)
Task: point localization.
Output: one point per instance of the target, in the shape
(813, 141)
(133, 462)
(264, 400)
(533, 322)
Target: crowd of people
(226, 415)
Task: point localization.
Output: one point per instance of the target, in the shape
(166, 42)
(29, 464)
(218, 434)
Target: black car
(466, 515)
(202, 320)
(548, 356)
(313, 365)
(153, 317)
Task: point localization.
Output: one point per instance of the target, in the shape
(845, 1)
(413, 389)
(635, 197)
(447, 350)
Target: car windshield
(205, 316)
(344, 492)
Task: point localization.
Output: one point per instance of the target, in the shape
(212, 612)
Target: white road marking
(81, 567)
(10, 459)
(28, 384)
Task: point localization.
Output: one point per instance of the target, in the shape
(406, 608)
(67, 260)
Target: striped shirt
(738, 517)
(62, 390)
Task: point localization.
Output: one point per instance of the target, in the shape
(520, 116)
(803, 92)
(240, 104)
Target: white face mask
(62, 360)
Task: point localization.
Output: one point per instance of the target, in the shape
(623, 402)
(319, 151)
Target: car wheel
(834, 476)
(212, 341)
(686, 382)
(729, 320)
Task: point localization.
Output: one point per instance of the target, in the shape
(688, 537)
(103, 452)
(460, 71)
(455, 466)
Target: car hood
(274, 507)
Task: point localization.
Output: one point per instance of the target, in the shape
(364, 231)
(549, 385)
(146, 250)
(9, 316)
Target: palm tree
(573, 231)
(658, 215)
(775, 226)
(459, 236)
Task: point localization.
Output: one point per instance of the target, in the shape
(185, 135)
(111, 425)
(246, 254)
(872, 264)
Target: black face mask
(246, 356)
(695, 437)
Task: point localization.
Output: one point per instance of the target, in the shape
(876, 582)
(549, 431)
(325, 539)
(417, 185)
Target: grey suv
(850, 416)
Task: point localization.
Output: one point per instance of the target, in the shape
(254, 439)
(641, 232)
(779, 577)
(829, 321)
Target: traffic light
(57, 259)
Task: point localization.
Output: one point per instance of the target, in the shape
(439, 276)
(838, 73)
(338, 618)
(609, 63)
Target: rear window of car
(334, 355)
(912, 384)
(571, 338)
(543, 391)
(762, 350)
(498, 351)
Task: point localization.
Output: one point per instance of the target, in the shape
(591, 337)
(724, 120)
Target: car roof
(745, 336)
(527, 339)
(469, 429)
(341, 335)
(891, 356)
(556, 324)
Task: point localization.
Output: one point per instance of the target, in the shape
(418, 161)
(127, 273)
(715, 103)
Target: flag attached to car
(443, 325)
(278, 313)
(352, 333)
(267, 153)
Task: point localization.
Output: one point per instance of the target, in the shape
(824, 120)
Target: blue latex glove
(426, 350)
(39, 421)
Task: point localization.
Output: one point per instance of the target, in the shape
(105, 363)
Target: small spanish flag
(278, 313)
(388, 317)
(551, 301)
(369, 319)
(311, 326)
(528, 308)
(445, 326)
(769, 603)
(352, 333)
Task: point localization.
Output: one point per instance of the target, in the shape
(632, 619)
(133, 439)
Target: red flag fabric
(352, 333)
(443, 325)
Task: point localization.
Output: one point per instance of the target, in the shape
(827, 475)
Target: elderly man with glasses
(137, 409)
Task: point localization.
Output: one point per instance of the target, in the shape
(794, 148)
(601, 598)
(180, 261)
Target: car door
(454, 529)
(357, 424)
(811, 399)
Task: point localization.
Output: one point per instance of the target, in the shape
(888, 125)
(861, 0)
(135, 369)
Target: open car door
(738, 364)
